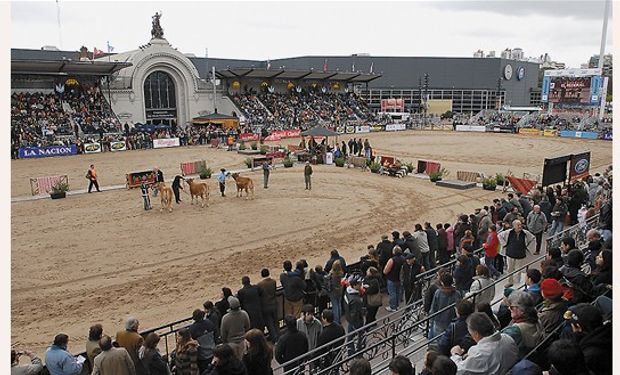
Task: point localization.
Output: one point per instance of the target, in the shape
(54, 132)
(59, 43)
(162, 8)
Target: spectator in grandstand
(462, 225)
(112, 360)
(485, 307)
(309, 325)
(553, 258)
(552, 312)
(369, 260)
(595, 245)
(152, 360)
(494, 352)
(514, 201)
(525, 329)
(429, 358)
(463, 273)
(203, 331)
(293, 284)
(213, 314)
(372, 294)
(602, 272)
(606, 218)
(456, 333)
(545, 208)
(392, 273)
(420, 239)
(482, 286)
(221, 179)
(532, 285)
(566, 245)
(491, 249)
(131, 340)
(432, 288)
(512, 215)
(92, 345)
(250, 297)
(225, 362)
(558, 213)
(525, 204)
(443, 365)
(33, 368)
(566, 357)
(354, 311)
(360, 366)
(331, 331)
(91, 175)
(223, 305)
(442, 244)
(517, 242)
(269, 303)
(291, 345)
(593, 336)
(580, 285)
(308, 175)
(445, 296)
(334, 256)
(259, 354)
(484, 223)
(401, 365)
(234, 326)
(410, 247)
(536, 224)
(526, 367)
(59, 361)
(409, 274)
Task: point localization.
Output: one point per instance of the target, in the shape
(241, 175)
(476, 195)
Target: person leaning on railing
(33, 368)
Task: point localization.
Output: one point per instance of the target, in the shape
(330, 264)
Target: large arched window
(159, 91)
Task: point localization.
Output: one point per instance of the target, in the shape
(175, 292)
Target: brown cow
(166, 196)
(243, 183)
(198, 189)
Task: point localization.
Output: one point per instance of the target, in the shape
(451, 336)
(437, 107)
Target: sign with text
(579, 166)
(92, 148)
(44, 152)
(166, 142)
(470, 128)
(394, 127)
(118, 146)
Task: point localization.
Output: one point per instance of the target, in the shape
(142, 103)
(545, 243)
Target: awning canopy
(315, 75)
(319, 131)
(66, 67)
(217, 119)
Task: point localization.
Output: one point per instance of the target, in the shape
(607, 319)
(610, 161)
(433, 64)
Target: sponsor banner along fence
(578, 134)
(550, 133)
(529, 131)
(362, 129)
(377, 128)
(608, 136)
(118, 146)
(248, 137)
(43, 185)
(166, 142)
(470, 128)
(91, 148)
(192, 167)
(134, 179)
(395, 127)
(43, 152)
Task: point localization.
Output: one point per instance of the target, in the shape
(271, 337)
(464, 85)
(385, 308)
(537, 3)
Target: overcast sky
(570, 31)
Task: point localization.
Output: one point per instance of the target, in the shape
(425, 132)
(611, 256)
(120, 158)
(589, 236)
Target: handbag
(374, 299)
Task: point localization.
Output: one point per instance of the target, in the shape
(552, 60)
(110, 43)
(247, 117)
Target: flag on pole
(110, 48)
(371, 64)
(268, 64)
(325, 66)
(353, 67)
(97, 53)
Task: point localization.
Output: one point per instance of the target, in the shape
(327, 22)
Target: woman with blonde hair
(334, 289)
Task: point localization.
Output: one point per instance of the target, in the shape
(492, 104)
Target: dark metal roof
(231, 73)
(66, 67)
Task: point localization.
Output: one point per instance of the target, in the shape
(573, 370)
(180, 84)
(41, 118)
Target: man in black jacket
(176, 187)
(411, 269)
(354, 312)
(384, 249)
(291, 345)
(269, 303)
(214, 316)
(594, 337)
(433, 243)
(334, 256)
(410, 245)
(331, 331)
(203, 331)
(294, 285)
(250, 298)
(159, 177)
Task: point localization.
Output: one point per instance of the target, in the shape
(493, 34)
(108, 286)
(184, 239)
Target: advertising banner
(43, 152)
(546, 84)
(134, 179)
(248, 137)
(273, 137)
(340, 129)
(529, 131)
(91, 148)
(376, 128)
(118, 146)
(166, 142)
(550, 133)
(470, 128)
(392, 104)
(394, 127)
(362, 129)
(608, 136)
(577, 134)
(350, 129)
(579, 166)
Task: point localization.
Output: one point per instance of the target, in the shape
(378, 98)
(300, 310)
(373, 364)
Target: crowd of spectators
(239, 334)
(91, 111)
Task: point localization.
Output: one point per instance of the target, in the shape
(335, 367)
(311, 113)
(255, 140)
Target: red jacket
(491, 247)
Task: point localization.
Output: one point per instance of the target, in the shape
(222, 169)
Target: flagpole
(59, 28)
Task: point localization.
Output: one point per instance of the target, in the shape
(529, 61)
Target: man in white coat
(494, 353)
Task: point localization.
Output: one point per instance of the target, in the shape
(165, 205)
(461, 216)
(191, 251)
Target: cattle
(198, 189)
(243, 183)
(166, 196)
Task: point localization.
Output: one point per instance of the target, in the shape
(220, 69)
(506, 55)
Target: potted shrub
(410, 167)
(254, 145)
(499, 179)
(264, 149)
(489, 183)
(435, 176)
(59, 190)
(242, 146)
(339, 162)
(288, 162)
(205, 173)
(375, 167)
(249, 162)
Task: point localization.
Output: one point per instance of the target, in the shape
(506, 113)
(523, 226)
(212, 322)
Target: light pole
(426, 81)
(499, 94)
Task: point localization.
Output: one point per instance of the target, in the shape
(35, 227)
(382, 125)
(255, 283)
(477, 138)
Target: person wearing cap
(235, 324)
(354, 305)
(554, 307)
(593, 336)
(308, 175)
(525, 329)
(309, 325)
(221, 179)
(409, 273)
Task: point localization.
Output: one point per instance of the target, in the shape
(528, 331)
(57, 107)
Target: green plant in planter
(374, 167)
(288, 162)
(489, 183)
(249, 162)
(60, 187)
(339, 162)
(410, 167)
(264, 149)
(368, 162)
(254, 145)
(242, 146)
(205, 172)
(499, 179)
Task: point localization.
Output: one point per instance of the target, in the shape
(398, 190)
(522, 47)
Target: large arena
(102, 258)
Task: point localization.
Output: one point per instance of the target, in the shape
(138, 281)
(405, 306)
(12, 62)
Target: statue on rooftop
(157, 32)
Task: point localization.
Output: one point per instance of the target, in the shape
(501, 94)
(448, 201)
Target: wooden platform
(454, 184)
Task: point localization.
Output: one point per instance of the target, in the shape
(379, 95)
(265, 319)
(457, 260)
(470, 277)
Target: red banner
(392, 104)
(522, 185)
(248, 137)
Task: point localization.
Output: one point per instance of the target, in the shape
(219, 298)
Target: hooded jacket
(479, 284)
(551, 314)
(354, 307)
(597, 349)
(444, 297)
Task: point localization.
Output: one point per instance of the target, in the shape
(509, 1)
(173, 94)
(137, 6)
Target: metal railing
(577, 231)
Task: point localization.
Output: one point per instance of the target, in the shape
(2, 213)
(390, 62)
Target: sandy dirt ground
(101, 258)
